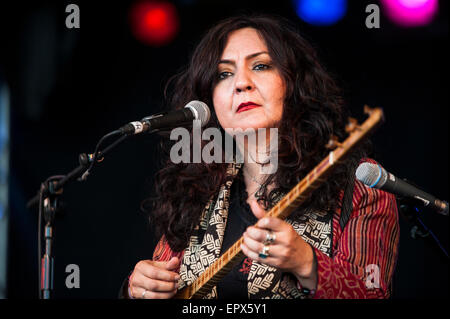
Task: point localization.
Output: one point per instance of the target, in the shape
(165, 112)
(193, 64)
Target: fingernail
(177, 277)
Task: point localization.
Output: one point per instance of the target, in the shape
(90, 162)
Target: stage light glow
(154, 22)
(410, 13)
(321, 12)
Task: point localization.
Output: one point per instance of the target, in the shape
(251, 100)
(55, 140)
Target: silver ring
(143, 294)
(264, 253)
(270, 238)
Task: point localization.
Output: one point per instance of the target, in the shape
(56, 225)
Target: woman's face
(250, 90)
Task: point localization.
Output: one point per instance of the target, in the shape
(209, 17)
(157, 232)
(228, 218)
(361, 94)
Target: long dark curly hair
(313, 112)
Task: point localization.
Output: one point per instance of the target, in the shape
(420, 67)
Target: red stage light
(154, 23)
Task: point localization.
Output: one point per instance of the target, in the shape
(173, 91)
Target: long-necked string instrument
(292, 200)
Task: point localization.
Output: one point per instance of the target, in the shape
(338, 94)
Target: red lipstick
(246, 106)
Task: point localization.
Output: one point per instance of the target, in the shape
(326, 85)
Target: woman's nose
(243, 82)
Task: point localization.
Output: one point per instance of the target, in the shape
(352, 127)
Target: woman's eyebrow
(248, 57)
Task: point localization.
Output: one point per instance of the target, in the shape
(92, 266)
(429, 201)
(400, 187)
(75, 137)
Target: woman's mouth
(246, 106)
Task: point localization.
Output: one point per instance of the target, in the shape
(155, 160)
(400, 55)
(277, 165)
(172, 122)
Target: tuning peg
(352, 125)
(333, 143)
(367, 109)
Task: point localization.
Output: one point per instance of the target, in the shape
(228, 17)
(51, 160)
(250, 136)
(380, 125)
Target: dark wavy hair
(313, 112)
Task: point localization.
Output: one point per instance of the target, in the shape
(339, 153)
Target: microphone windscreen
(369, 174)
(201, 111)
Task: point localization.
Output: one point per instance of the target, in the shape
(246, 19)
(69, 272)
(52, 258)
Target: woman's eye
(261, 67)
(223, 75)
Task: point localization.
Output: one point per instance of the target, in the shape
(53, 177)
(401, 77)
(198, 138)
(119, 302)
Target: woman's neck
(255, 149)
(257, 156)
(253, 172)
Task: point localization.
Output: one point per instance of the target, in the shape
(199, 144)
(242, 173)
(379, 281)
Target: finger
(269, 260)
(154, 295)
(248, 252)
(155, 270)
(256, 234)
(257, 210)
(260, 235)
(130, 285)
(141, 283)
(159, 295)
(256, 246)
(155, 285)
(252, 244)
(272, 223)
(173, 263)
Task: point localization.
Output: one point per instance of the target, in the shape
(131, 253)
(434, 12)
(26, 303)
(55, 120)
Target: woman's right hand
(156, 278)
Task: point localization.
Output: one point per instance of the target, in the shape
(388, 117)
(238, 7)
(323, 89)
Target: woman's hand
(154, 279)
(288, 252)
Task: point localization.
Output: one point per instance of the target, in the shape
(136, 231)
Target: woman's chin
(245, 127)
(252, 124)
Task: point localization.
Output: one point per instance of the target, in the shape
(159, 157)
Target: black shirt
(240, 216)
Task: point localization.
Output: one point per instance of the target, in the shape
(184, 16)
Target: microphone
(376, 176)
(194, 110)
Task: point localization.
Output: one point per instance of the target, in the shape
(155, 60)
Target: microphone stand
(48, 199)
(410, 211)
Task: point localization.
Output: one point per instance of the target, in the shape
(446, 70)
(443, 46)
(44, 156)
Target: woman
(258, 72)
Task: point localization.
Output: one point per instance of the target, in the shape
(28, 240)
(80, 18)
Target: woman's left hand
(288, 252)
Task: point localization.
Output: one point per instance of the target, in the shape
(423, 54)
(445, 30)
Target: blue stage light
(321, 12)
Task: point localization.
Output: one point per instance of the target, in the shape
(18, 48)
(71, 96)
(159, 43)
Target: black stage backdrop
(70, 87)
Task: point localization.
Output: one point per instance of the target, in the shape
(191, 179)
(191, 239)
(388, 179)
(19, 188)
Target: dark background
(70, 87)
